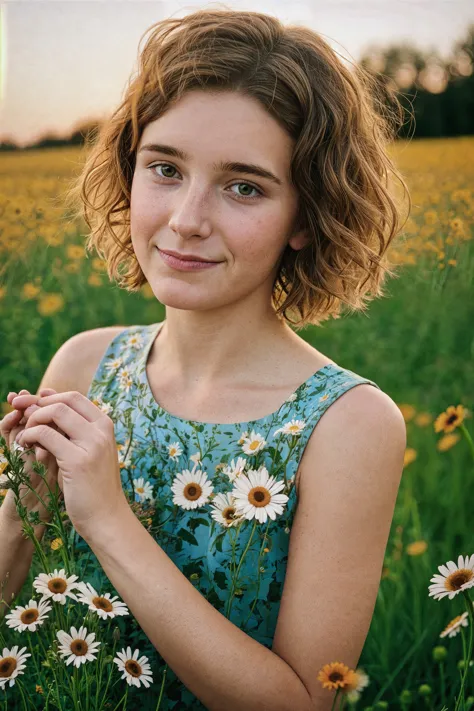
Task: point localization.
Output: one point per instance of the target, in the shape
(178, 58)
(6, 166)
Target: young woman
(245, 178)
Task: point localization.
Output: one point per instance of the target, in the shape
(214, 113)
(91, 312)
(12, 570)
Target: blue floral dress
(218, 498)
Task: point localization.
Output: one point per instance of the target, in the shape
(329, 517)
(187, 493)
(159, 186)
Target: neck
(197, 348)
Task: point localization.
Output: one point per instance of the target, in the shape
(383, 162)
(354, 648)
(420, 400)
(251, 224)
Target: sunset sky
(66, 61)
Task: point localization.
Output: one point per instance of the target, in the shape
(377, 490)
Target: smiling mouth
(186, 265)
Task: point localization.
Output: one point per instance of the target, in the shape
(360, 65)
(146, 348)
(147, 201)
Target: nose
(190, 214)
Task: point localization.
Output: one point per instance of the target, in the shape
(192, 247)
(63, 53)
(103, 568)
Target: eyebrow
(225, 166)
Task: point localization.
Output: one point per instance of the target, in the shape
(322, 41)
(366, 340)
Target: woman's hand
(10, 426)
(86, 454)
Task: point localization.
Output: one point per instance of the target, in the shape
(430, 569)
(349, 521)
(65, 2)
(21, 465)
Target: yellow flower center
(79, 647)
(102, 603)
(192, 491)
(57, 585)
(456, 580)
(133, 667)
(29, 616)
(259, 496)
(7, 667)
(229, 513)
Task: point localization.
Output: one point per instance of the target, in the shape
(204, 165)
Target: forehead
(213, 124)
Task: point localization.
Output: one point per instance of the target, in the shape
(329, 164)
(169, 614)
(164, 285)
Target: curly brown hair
(340, 166)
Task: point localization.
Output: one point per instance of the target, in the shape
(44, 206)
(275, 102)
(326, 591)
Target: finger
(75, 401)
(75, 427)
(11, 417)
(48, 438)
(24, 398)
(21, 402)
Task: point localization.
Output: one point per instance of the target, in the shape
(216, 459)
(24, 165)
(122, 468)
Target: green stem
(75, 689)
(23, 698)
(124, 699)
(468, 438)
(234, 586)
(443, 683)
(335, 698)
(259, 575)
(104, 697)
(33, 656)
(469, 654)
(162, 687)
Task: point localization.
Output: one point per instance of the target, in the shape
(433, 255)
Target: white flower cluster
(76, 646)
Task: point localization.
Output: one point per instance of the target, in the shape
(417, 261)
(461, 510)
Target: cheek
(259, 243)
(145, 207)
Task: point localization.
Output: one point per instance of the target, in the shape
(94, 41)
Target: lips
(188, 258)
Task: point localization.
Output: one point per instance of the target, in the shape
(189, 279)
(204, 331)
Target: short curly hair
(340, 166)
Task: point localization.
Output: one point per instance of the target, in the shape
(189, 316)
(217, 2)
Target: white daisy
(191, 489)
(135, 341)
(454, 627)
(174, 450)
(78, 647)
(294, 427)
(103, 406)
(56, 585)
(104, 605)
(243, 436)
(28, 617)
(143, 490)
(196, 458)
(233, 470)
(114, 364)
(453, 579)
(361, 681)
(136, 671)
(256, 495)
(125, 379)
(223, 510)
(124, 453)
(12, 664)
(254, 443)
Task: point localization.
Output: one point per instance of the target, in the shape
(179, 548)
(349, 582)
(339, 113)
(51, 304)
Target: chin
(180, 296)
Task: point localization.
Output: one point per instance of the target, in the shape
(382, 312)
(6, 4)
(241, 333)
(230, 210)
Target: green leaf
(187, 536)
(220, 579)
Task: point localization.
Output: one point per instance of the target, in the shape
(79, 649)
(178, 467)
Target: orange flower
(416, 548)
(337, 675)
(409, 457)
(447, 442)
(450, 419)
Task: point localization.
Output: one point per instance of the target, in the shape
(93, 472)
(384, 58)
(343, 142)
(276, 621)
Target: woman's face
(192, 205)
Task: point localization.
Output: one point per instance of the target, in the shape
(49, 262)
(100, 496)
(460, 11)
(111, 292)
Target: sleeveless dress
(220, 497)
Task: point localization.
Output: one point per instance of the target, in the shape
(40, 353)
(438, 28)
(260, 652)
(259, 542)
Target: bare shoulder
(75, 362)
(363, 412)
(349, 486)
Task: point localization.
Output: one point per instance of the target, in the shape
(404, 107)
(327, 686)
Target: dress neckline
(155, 329)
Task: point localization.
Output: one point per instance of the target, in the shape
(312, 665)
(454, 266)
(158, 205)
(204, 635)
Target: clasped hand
(87, 457)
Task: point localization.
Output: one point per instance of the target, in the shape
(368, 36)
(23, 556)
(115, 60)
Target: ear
(299, 240)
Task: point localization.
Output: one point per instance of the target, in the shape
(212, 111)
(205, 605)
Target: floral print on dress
(223, 496)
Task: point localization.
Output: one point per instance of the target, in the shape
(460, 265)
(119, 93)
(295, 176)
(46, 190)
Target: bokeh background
(64, 66)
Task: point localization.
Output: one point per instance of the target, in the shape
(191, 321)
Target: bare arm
(71, 368)
(16, 553)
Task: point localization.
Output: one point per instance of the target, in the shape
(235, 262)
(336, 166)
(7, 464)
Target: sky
(64, 61)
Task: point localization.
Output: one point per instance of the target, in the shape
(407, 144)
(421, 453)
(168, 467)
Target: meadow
(417, 343)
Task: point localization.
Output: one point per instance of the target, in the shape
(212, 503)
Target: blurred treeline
(436, 93)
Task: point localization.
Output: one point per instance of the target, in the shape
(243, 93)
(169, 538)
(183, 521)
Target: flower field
(417, 344)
